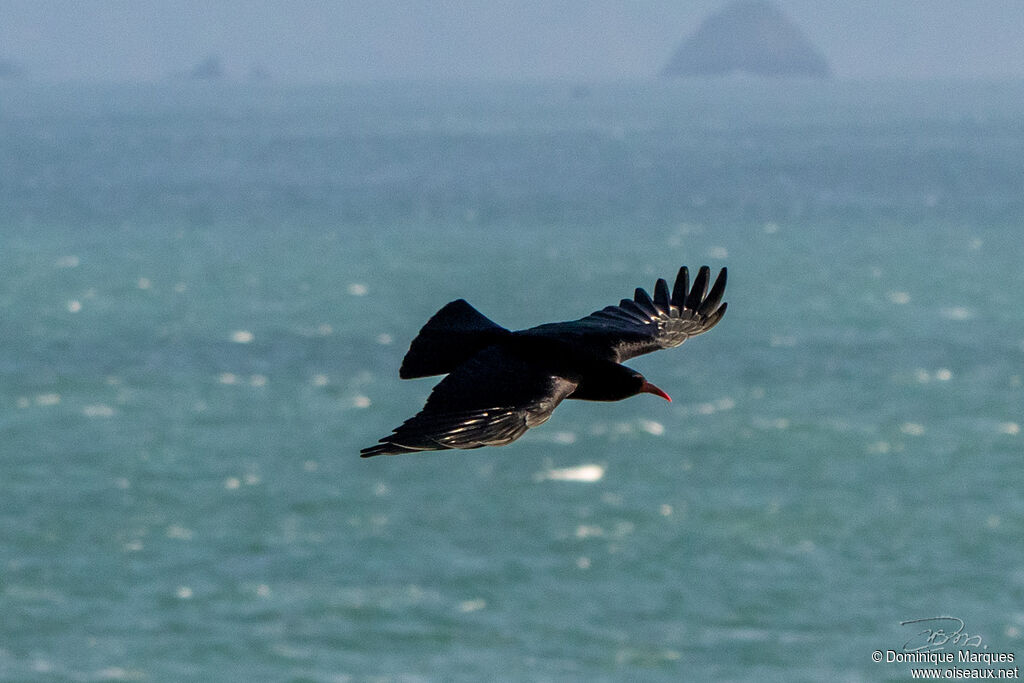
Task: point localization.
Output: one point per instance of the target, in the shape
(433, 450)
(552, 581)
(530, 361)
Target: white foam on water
(940, 375)
(782, 341)
(475, 605)
(779, 423)
(957, 313)
(898, 297)
(564, 437)
(589, 531)
(98, 410)
(651, 427)
(912, 428)
(583, 473)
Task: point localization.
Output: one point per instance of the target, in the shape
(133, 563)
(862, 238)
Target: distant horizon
(271, 80)
(575, 41)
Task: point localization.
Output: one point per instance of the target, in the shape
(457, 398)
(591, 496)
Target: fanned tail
(452, 336)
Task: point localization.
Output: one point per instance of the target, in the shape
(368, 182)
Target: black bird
(500, 383)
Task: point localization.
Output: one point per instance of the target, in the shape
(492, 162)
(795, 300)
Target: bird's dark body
(500, 383)
(595, 378)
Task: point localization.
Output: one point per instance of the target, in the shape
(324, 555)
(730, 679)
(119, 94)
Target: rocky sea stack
(752, 37)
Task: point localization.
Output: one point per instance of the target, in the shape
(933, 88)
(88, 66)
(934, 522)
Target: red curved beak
(648, 388)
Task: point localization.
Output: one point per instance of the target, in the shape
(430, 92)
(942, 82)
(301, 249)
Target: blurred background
(221, 226)
(308, 40)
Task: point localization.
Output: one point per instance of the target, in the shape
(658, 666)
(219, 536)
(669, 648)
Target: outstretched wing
(490, 400)
(644, 324)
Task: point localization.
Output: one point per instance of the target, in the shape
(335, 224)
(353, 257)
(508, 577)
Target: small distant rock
(210, 69)
(752, 37)
(10, 69)
(259, 73)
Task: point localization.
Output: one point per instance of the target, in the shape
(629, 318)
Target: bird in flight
(500, 383)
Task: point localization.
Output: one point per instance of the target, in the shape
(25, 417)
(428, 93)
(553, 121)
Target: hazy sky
(528, 39)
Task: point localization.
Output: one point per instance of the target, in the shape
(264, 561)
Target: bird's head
(614, 382)
(635, 384)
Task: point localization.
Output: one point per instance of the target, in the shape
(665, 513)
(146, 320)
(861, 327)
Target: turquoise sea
(206, 291)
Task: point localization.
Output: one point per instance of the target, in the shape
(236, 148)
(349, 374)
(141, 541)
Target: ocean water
(206, 292)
